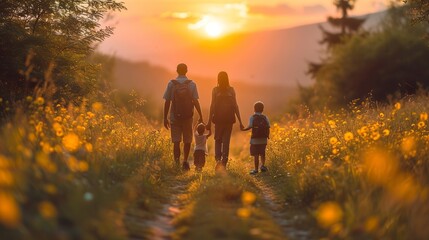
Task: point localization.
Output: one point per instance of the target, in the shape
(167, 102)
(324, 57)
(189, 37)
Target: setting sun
(213, 29)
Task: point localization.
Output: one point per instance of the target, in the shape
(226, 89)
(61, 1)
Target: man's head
(259, 106)
(201, 128)
(182, 69)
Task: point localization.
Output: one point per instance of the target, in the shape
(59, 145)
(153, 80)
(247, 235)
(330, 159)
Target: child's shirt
(200, 142)
(258, 140)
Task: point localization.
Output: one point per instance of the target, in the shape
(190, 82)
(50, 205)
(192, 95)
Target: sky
(155, 30)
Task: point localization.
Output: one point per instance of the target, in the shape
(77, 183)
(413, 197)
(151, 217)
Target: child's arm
(209, 134)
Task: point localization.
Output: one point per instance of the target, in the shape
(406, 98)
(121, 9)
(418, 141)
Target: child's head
(201, 128)
(259, 106)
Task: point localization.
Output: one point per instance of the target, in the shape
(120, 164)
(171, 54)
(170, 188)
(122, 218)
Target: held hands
(210, 133)
(242, 127)
(166, 123)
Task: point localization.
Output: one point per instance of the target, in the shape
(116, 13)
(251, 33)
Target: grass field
(87, 172)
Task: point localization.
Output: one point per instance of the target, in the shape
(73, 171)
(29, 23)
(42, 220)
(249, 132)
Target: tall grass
(65, 169)
(363, 171)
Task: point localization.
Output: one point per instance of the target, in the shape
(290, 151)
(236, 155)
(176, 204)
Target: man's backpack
(183, 102)
(224, 107)
(260, 127)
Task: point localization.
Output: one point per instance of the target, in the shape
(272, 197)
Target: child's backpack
(260, 128)
(224, 107)
(183, 102)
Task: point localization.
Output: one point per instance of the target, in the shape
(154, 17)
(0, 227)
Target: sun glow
(210, 26)
(214, 29)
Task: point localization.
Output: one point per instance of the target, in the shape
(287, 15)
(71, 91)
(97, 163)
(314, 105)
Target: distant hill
(277, 57)
(151, 81)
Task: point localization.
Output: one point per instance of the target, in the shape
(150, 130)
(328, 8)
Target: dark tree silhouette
(45, 44)
(347, 25)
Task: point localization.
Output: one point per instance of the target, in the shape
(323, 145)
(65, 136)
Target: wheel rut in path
(287, 219)
(161, 227)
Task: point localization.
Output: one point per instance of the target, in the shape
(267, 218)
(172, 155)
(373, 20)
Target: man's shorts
(257, 149)
(181, 128)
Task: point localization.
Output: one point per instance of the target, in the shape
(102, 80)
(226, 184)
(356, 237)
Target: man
(182, 95)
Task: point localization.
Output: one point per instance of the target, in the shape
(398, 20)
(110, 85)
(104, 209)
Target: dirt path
(161, 227)
(290, 220)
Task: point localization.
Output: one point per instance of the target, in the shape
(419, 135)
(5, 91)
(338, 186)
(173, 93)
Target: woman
(223, 109)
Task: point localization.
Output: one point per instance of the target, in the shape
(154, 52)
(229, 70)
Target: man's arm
(198, 107)
(166, 110)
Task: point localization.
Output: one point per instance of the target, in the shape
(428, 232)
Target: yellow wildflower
(88, 147)
(375, 136)
(386, 132)
(58, 119)
(423, 116)
(71, 142)
(80, 129)
(408, 146)
(348, 136)
(381, 166)
(328, 214)
(333, 140)
(248, 198)
(243, 212)
(421, 124)
(371, 224)
(4, 162)
(83, 166)
(39, 101)
(50, 188)
(47, 210)
(6, 178)
(10, 214)
(97, 106)
(397, 106)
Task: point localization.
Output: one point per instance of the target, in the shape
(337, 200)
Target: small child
(260, 126)
(200, 150)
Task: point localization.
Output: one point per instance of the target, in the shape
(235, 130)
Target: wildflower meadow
(65, 169)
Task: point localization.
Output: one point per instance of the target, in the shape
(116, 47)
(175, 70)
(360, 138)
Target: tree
(391, 60)
(49, 41)
(419, 9)
(347, 25)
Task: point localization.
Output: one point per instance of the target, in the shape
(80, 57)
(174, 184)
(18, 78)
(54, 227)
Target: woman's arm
(237, 111)
(209, 123)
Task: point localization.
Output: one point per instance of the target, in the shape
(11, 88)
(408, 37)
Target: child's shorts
(257, 149)
(199, 158)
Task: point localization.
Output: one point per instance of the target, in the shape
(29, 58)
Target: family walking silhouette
(181, 97)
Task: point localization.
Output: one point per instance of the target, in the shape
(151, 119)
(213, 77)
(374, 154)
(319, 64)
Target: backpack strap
(175, 82)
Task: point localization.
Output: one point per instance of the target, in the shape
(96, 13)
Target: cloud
(315, 9)
(184, 16)
(279, 9)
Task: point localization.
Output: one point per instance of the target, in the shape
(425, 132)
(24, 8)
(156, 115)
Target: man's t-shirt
(258, 140)
(168, 95)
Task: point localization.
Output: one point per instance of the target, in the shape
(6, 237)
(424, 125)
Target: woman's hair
(223, 80)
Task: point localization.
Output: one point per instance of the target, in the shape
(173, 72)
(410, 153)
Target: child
(260, 126)
(200, 150)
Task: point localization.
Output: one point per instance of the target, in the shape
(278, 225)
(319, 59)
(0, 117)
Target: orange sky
(155, 30)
